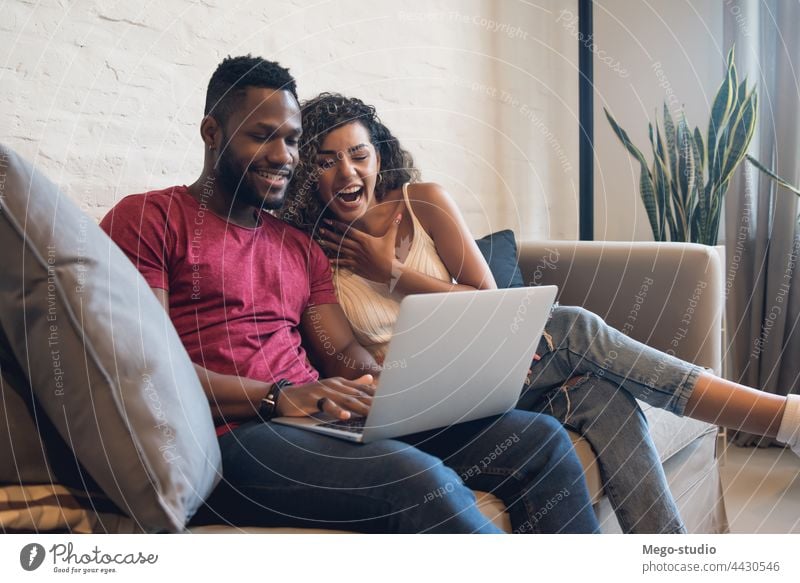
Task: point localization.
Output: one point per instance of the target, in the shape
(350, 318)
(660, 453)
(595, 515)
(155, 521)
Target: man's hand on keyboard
(339, 397)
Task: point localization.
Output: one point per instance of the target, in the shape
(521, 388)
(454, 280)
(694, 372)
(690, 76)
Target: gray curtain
(761, 224)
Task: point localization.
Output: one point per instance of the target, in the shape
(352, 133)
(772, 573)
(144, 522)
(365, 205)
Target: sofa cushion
(55, 508)
(23, 455)
(671, 433)
(500, 251)
(100, 356)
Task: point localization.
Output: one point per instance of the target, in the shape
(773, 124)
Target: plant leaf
(781, 181)
(740, 137)
(698, 138)
(698, 188)
(649, 199)
(712, 230)
(669, 135)
(666, 219)
(623, 137)
(715, 163)
(659, 149)
(741, 94)
(686, 173)
(700, 216)
(661, 182)
(720, 112)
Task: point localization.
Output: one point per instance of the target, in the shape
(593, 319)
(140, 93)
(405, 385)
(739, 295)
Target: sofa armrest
(667, 295)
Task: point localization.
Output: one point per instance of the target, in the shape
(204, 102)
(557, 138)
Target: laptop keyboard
(354, 425)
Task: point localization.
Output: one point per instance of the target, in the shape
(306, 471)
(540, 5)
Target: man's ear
(211, 132)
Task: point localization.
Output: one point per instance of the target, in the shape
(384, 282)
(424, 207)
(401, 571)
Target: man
(253, 302)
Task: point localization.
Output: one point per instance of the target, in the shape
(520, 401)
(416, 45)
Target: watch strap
(269, 404)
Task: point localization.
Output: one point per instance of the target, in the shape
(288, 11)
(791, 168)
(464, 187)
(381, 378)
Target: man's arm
(232, 397)
(331, 345)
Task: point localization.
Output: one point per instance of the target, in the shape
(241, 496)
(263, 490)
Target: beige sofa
(669, 296)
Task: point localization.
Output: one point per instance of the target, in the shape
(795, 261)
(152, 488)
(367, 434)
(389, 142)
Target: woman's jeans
(275, 475)
(601, 407)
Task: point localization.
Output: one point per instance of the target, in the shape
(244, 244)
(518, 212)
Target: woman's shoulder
(426, 191)
(431, 203)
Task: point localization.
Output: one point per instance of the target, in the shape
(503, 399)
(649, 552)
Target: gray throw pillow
(31, 449)
(101, 356)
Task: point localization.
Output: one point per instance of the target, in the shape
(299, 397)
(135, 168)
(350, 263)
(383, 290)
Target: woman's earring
(380, 178)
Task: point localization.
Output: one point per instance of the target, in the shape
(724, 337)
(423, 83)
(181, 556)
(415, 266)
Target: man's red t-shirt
(236, 294)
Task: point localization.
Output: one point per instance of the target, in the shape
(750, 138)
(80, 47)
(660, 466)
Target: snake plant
(684, 188)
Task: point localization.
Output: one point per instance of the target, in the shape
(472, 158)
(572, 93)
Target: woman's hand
(370, 257)
(339, 397)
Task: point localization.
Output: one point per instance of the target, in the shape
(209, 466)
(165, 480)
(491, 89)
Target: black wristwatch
(269, 404)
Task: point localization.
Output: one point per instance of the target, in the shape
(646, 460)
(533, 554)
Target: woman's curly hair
(321, 115)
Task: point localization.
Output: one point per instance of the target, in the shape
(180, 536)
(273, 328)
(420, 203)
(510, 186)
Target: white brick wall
(107, 96)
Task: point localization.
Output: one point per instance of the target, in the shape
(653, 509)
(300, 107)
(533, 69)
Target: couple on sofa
(252, 298)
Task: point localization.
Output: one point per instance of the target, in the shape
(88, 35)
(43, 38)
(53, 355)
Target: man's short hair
(235, 74)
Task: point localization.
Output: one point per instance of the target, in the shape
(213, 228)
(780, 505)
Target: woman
(389, 236)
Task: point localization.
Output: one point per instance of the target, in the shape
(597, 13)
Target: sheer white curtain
(761, 225)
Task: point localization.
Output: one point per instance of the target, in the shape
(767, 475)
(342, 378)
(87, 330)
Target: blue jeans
(276, 475)
(601, 407)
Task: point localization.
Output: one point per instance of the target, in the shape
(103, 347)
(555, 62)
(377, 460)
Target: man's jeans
(601, 407)
(276, 475)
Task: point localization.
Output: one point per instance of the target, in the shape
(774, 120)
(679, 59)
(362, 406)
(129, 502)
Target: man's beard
(236, 180)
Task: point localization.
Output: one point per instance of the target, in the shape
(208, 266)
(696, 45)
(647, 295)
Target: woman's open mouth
(350, 196)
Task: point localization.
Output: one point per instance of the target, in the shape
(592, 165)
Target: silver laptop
(453, 357)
